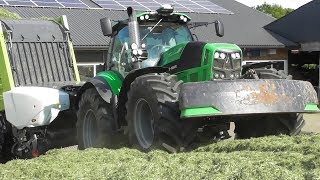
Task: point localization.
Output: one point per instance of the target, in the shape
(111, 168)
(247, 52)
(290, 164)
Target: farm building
(245, 27)
(302, 27)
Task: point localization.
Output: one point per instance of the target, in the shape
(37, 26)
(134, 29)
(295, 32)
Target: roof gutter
(91, 48)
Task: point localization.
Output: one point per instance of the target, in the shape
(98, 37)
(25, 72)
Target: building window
(89, 70)
(277, 64)
(252, 53)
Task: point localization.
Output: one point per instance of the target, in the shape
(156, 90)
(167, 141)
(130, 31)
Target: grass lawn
(262, 158)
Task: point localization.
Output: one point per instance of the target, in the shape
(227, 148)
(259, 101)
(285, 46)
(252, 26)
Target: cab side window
(119, 55)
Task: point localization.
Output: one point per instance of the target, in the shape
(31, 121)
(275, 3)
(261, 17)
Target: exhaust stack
(134, 35)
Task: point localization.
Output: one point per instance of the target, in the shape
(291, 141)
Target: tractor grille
(226, 68)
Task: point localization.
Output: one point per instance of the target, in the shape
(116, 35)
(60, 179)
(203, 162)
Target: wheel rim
(143, 123)
(89, 129)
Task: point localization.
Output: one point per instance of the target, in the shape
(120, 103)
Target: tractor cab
(158, 31)
(157, 39)
(155, 33)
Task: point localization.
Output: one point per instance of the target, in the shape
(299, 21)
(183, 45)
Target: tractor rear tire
(95, 125)
(153, 114)
(273, 124)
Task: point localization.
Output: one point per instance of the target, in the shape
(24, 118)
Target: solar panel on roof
(74, 5)
(20, 3)
(197, 6)
(2, 2)
(52, 1)
(115, 7)
(45, 3)
(69, 1)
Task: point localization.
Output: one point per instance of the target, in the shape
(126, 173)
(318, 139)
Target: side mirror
(195, 37)
(106, 26)
(219, 28)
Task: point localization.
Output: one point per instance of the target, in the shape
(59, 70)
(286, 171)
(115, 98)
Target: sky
(293, 4)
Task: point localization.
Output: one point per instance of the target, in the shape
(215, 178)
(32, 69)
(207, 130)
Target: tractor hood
(223, 46)
(176, 52)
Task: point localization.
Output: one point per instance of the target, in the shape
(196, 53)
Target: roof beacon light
(134, 46)
(165, 9)
(135, 52)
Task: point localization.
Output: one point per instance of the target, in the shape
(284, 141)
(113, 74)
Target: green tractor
(162, 89)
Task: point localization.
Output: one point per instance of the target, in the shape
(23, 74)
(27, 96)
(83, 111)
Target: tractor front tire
(268, 125)
(95, 124)
(153, 113)
(273, 124)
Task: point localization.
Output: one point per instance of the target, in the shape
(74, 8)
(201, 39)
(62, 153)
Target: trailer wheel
(273, 124)
(6, 139)
(153, 113)
(96, 124)
(1, 147)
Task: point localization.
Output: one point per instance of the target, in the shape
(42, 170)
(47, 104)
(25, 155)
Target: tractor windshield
(164, 36)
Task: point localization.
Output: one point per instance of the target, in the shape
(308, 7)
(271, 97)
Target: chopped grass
(262, 158)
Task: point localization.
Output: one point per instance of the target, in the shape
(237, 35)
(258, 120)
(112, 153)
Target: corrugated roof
(244, 28)
(302, 25)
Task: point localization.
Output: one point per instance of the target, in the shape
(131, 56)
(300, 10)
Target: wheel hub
(90, 129)
(143, 123)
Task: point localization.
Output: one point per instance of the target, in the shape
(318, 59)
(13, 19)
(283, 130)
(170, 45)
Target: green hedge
(262, 158)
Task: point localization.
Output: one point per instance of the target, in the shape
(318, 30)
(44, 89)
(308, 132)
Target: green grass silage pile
(262, 158)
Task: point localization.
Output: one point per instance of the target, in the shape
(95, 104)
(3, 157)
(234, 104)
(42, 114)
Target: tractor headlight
(141, 18)
(231, 76)
(222, 76)
(185, 19)
(223, 55)
(238, 56)
(135, 52)
(146, 16)
(134, 46)
(216, 55)
(216, 75)
(181, 18)
(140, 52)
(237, 75)
(233, 56)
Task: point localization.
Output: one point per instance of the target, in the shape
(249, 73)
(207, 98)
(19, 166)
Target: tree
(274, 10)
(5, 14)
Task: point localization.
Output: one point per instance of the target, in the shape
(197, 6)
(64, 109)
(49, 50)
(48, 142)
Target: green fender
(107, 83)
